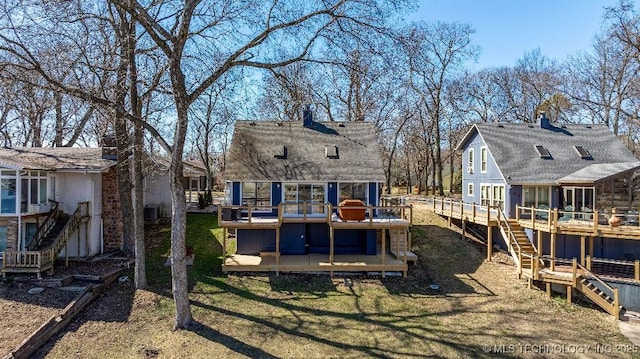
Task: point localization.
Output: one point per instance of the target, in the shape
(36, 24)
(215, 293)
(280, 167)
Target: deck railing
(43, 259)
(514, 247)
(308, 211)
(622, 266)
(45, 227)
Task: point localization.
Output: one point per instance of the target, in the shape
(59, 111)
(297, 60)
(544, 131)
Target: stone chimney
(543, 121)
(109, 149)
(307, 116)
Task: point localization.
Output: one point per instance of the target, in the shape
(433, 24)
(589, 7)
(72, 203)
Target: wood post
(225, 233)
(539, 242)
(616, 304)
(331, 239)
(582, 249)
(574, 272)
(553, 249)
(548, 285)
(569, 293)
(464, 230)
(590, 247)
(278, 251)
(588, 262)
(636, 271)
(489, 243)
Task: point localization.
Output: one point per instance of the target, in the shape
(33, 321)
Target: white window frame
(470, 162)
(536, 189)
(312, 214)
(470, 190)
(484, 159)
(504, 194)
(487, 187)
(256, 208)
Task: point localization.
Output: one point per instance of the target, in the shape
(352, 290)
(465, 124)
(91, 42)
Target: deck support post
(464, 230)
(569, 293)
(548, 285)
(331, 239)
(553, 251)
(384, 250)
(529, 283)
(489, 243)
(591, 246)
(225, 234)
(539, 242)
(278, 251)
(582, 249)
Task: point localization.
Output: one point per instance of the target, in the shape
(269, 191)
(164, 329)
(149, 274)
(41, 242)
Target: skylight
(281, 153)
(331, 151)
(584, 154)
(543, 152)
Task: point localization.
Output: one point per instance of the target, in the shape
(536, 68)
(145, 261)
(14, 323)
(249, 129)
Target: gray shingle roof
(598, 172)
(55, 159)
(254, 145)
(513, 148)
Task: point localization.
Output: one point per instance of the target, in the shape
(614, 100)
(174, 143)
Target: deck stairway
(399, 243)
(531, 266)
(48, 241)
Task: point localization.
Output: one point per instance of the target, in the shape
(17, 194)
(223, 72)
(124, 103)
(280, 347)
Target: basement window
(584, 154)
(331, 151)
(543, 152)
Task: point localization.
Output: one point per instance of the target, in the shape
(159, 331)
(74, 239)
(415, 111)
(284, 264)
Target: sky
(506, 29)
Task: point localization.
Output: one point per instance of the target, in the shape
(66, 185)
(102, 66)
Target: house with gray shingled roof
(287, 185)
(582, 171)
(57, 201)
(544, 164)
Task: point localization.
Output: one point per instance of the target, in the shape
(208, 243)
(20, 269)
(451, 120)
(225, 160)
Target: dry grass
(479, 306)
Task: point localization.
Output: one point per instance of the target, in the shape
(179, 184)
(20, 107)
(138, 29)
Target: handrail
(44, 229)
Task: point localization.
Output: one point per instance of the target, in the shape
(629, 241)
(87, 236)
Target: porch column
(277, 250)
(582, 249)
(489, 243)
(553, 251)
(384, 250)
(539, 242)
(331, 239)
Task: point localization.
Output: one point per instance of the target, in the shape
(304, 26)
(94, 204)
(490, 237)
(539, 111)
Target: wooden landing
(411, 257)
(313, 263)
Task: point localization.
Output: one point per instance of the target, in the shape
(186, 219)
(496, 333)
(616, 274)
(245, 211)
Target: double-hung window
(257, 194)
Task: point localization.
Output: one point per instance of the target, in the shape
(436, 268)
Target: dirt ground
(23, 312)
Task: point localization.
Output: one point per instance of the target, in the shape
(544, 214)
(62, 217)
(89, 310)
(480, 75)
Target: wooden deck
(589, 224)
(313, 263)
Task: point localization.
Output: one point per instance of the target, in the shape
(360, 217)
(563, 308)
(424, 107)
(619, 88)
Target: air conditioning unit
(151, 213)
(470, 169)
(39, 208)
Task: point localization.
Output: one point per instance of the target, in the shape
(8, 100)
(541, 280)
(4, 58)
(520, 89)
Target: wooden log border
(52, 326)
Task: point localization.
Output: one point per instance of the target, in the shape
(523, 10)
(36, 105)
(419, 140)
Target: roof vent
(584, 154)
(252, 124)
(588, 126)
(307, 116)
(341, 125)
(543, 152)
(543, 121)
(281, 153)
(331, 151)
(500, 125)
(280, 124)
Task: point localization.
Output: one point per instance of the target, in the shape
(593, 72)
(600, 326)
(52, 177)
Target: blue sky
(506, 29)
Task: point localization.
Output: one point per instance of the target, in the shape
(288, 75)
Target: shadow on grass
(230, 342)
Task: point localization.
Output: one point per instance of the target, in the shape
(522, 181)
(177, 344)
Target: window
(535, 196)
(584, 154)
(3, 239)
(33, 189)
(543, 152)
(470, 161)
(498, 196)
(301, 198)
(470, 189)
(353, 191)
(8, 194)
(256, 194)
(485, 195)
(483, 159)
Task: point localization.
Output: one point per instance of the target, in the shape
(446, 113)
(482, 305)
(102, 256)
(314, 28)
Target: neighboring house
(546, 165)
(157, 190)
(563, 199)
(284, 181)
(41, 190)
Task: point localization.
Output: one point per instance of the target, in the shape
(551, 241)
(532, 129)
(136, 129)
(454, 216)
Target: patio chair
(587, 216)
(567, 214)
(543, 213)
(632, 218)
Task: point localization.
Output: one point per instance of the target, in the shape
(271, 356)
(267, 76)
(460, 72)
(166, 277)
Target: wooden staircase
(531, 266)
(399, 244)
(50, 238)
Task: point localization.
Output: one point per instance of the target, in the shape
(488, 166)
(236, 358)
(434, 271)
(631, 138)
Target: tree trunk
(57, 141)
(179, 222)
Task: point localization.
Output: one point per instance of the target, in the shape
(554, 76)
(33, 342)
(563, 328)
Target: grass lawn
(480, 310)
